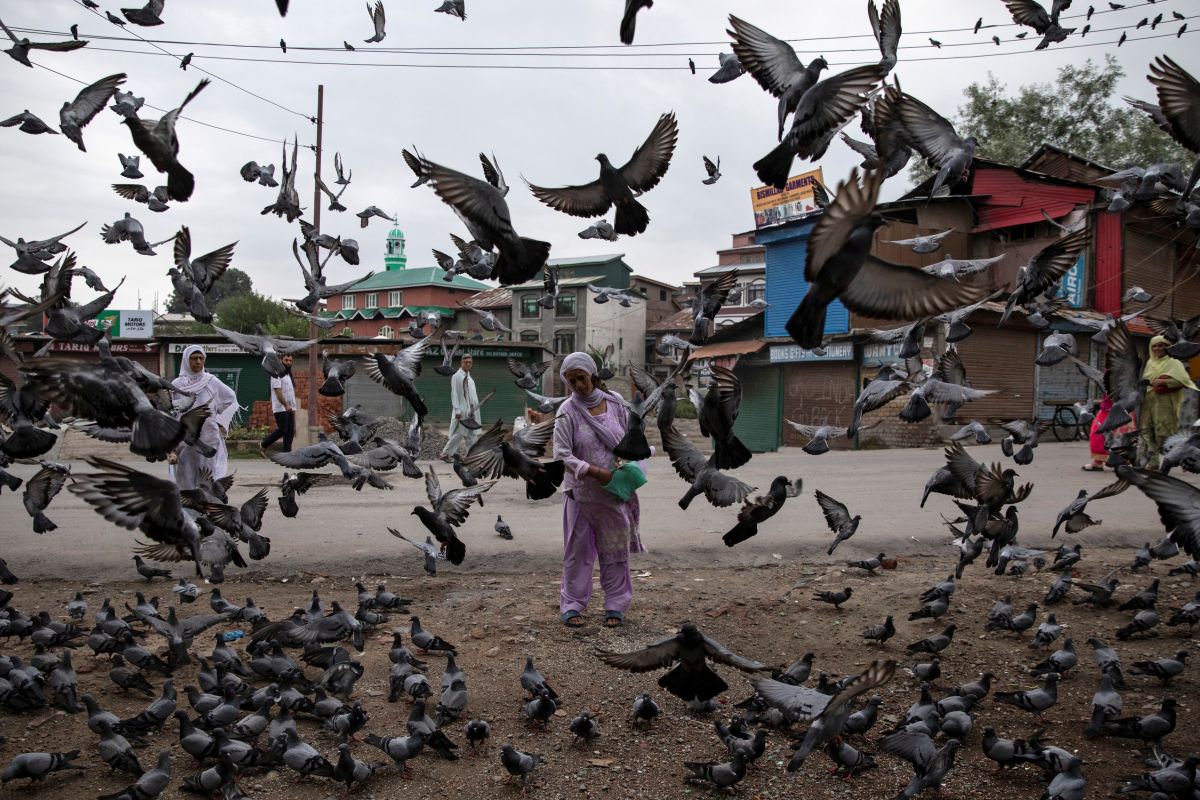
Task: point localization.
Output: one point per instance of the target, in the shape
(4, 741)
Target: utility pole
(314, 364)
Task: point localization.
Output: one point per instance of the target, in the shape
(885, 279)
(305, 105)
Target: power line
(201, 69)
(574, 67)
(181, 116)
(621, 47)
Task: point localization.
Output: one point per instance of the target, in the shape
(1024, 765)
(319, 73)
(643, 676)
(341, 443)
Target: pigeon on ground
(835, 599)
(689, 650)
(880, 633)
(935, 643)
(518, 764)
(724, 775)
(616, 186)
(502, 529)
(929, 764)
(1036, 701)
(1163, 668)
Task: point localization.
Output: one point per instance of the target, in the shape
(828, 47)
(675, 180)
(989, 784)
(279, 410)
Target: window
(565, 305)
(386, 332)
(347, 302)
(395, 298)
(372, 300)
(662, 295)
(529, 307)
(529, 336)
(754, 291)
(564, 343)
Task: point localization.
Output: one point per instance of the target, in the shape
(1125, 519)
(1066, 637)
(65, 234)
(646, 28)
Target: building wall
(624, 328)
(660, 302)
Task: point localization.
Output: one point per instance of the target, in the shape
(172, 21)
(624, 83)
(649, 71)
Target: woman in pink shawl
(222, 405)
(595, 523)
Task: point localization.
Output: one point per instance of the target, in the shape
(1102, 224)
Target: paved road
(343, 532)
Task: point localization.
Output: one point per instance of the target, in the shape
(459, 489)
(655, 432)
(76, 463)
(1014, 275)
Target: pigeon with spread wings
(514, 455)
(718, 488)
(270, 348)
(158, 142)
(687, 653)
(828, 713)
(775, 65)
(1075, 515)
(935, 139)
(73, 116)
(482, 208)
(1045, 270)
(707, 304)
(761, 509)
(838, 518)
(399, 372)
(886, 28)
(633, 446)
(641, 173)
(447, 511)
(839, 265)
(21, 47)
(1030, 13)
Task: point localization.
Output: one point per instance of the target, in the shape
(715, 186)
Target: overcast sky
(544, 124)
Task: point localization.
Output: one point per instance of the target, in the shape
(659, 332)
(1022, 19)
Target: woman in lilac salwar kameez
(596, 523)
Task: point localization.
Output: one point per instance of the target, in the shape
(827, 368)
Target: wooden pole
(314, 357)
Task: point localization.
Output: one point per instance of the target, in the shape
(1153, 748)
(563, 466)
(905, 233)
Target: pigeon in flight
(482, 208)
(378, 19)
(73, 116)
(838, 518)
(30, 123)
(157, 140)
(269, 347)
(923, 244)
(126, 102)
(839, 265)
(713, 170)
(1032, 14)
(935, 139)
(148, 15)
(1045, 270)
(399, 372)
(730, 69)
(491, 171)
(455, 8)
(447, 511)
(886, 29)
(21, 47)
(130, 167)
(265, 175)
(761, 508)
(641, 173)
(599, 230)
(629, 19)
(775, 66)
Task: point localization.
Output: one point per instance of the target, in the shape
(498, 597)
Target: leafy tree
(245, 312)
(232, 283)
(1079, 112)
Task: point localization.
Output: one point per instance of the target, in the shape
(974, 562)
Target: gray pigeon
(775, 65)
(148, 15)
(430, 551)
(125, 103)
(19, 52)
(599, 230)
(157, 140)
(378, 19)
(36, 766)
(517, 764)
(713, 170)
(455, 8)
(1031, 14)
(923, 244)
(838, 518)
(30, 123)
(935, 139)
(929, 764)
(730, 69)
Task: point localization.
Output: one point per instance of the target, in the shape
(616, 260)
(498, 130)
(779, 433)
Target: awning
(727, 349)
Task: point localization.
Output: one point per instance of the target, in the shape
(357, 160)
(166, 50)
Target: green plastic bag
(625, 481)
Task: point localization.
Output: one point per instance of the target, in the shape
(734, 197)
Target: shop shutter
(1062, 383)
(759, 419)
(1000, 359)
(818, 394)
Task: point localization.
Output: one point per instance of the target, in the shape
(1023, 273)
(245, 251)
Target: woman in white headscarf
(222, 405)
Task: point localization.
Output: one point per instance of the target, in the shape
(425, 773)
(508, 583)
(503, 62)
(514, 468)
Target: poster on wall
(796, 199)
(1071, 288)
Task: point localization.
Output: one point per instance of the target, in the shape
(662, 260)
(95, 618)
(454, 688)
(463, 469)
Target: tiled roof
(417, 276)
(387, 313)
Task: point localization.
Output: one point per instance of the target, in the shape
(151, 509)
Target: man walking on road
(283, 406)
(464, 404)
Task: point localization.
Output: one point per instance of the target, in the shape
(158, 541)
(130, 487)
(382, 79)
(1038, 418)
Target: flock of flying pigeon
(239, 726)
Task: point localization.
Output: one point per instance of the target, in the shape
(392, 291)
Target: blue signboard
(1071, 288)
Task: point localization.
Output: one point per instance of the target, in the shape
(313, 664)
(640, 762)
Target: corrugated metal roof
(721, 269)
(679, 321)
(738, 348)
(416, 276)
(1016, 198)
(581, 260)
(568, 282)
(499, 297)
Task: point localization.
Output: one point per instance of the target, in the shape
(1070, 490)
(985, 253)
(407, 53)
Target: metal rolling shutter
(1000, 359)
(818, 394)
(488, 373)
(758, 421)
(1062, 382)
(1149, 263)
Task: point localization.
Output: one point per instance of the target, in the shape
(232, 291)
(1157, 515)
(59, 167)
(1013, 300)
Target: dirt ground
(764, 613)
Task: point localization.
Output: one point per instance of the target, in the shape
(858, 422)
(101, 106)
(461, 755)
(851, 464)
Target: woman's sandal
(613, 619)
(572, 619)
(1092, 468)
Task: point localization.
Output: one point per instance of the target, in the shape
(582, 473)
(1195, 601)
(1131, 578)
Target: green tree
(244, 313)
(1078, 112)
(232, 283)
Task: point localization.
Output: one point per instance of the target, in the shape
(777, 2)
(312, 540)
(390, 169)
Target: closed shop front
(239, 371)
(1001, 359)
(1062, 383)
(818, 393)
(758, 422)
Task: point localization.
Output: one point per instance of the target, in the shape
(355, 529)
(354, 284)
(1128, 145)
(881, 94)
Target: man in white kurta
(464, 404)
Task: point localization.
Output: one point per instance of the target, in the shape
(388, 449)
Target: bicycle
(1065, 423)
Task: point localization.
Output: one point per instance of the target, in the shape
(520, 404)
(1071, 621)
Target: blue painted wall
(786, 248)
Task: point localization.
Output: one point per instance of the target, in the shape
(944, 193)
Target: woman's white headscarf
(207, 388)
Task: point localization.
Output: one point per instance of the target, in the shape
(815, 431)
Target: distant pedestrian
(464, 404)
(222, 403)
(1096, 443)
(1159, 418)
(283, 406)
